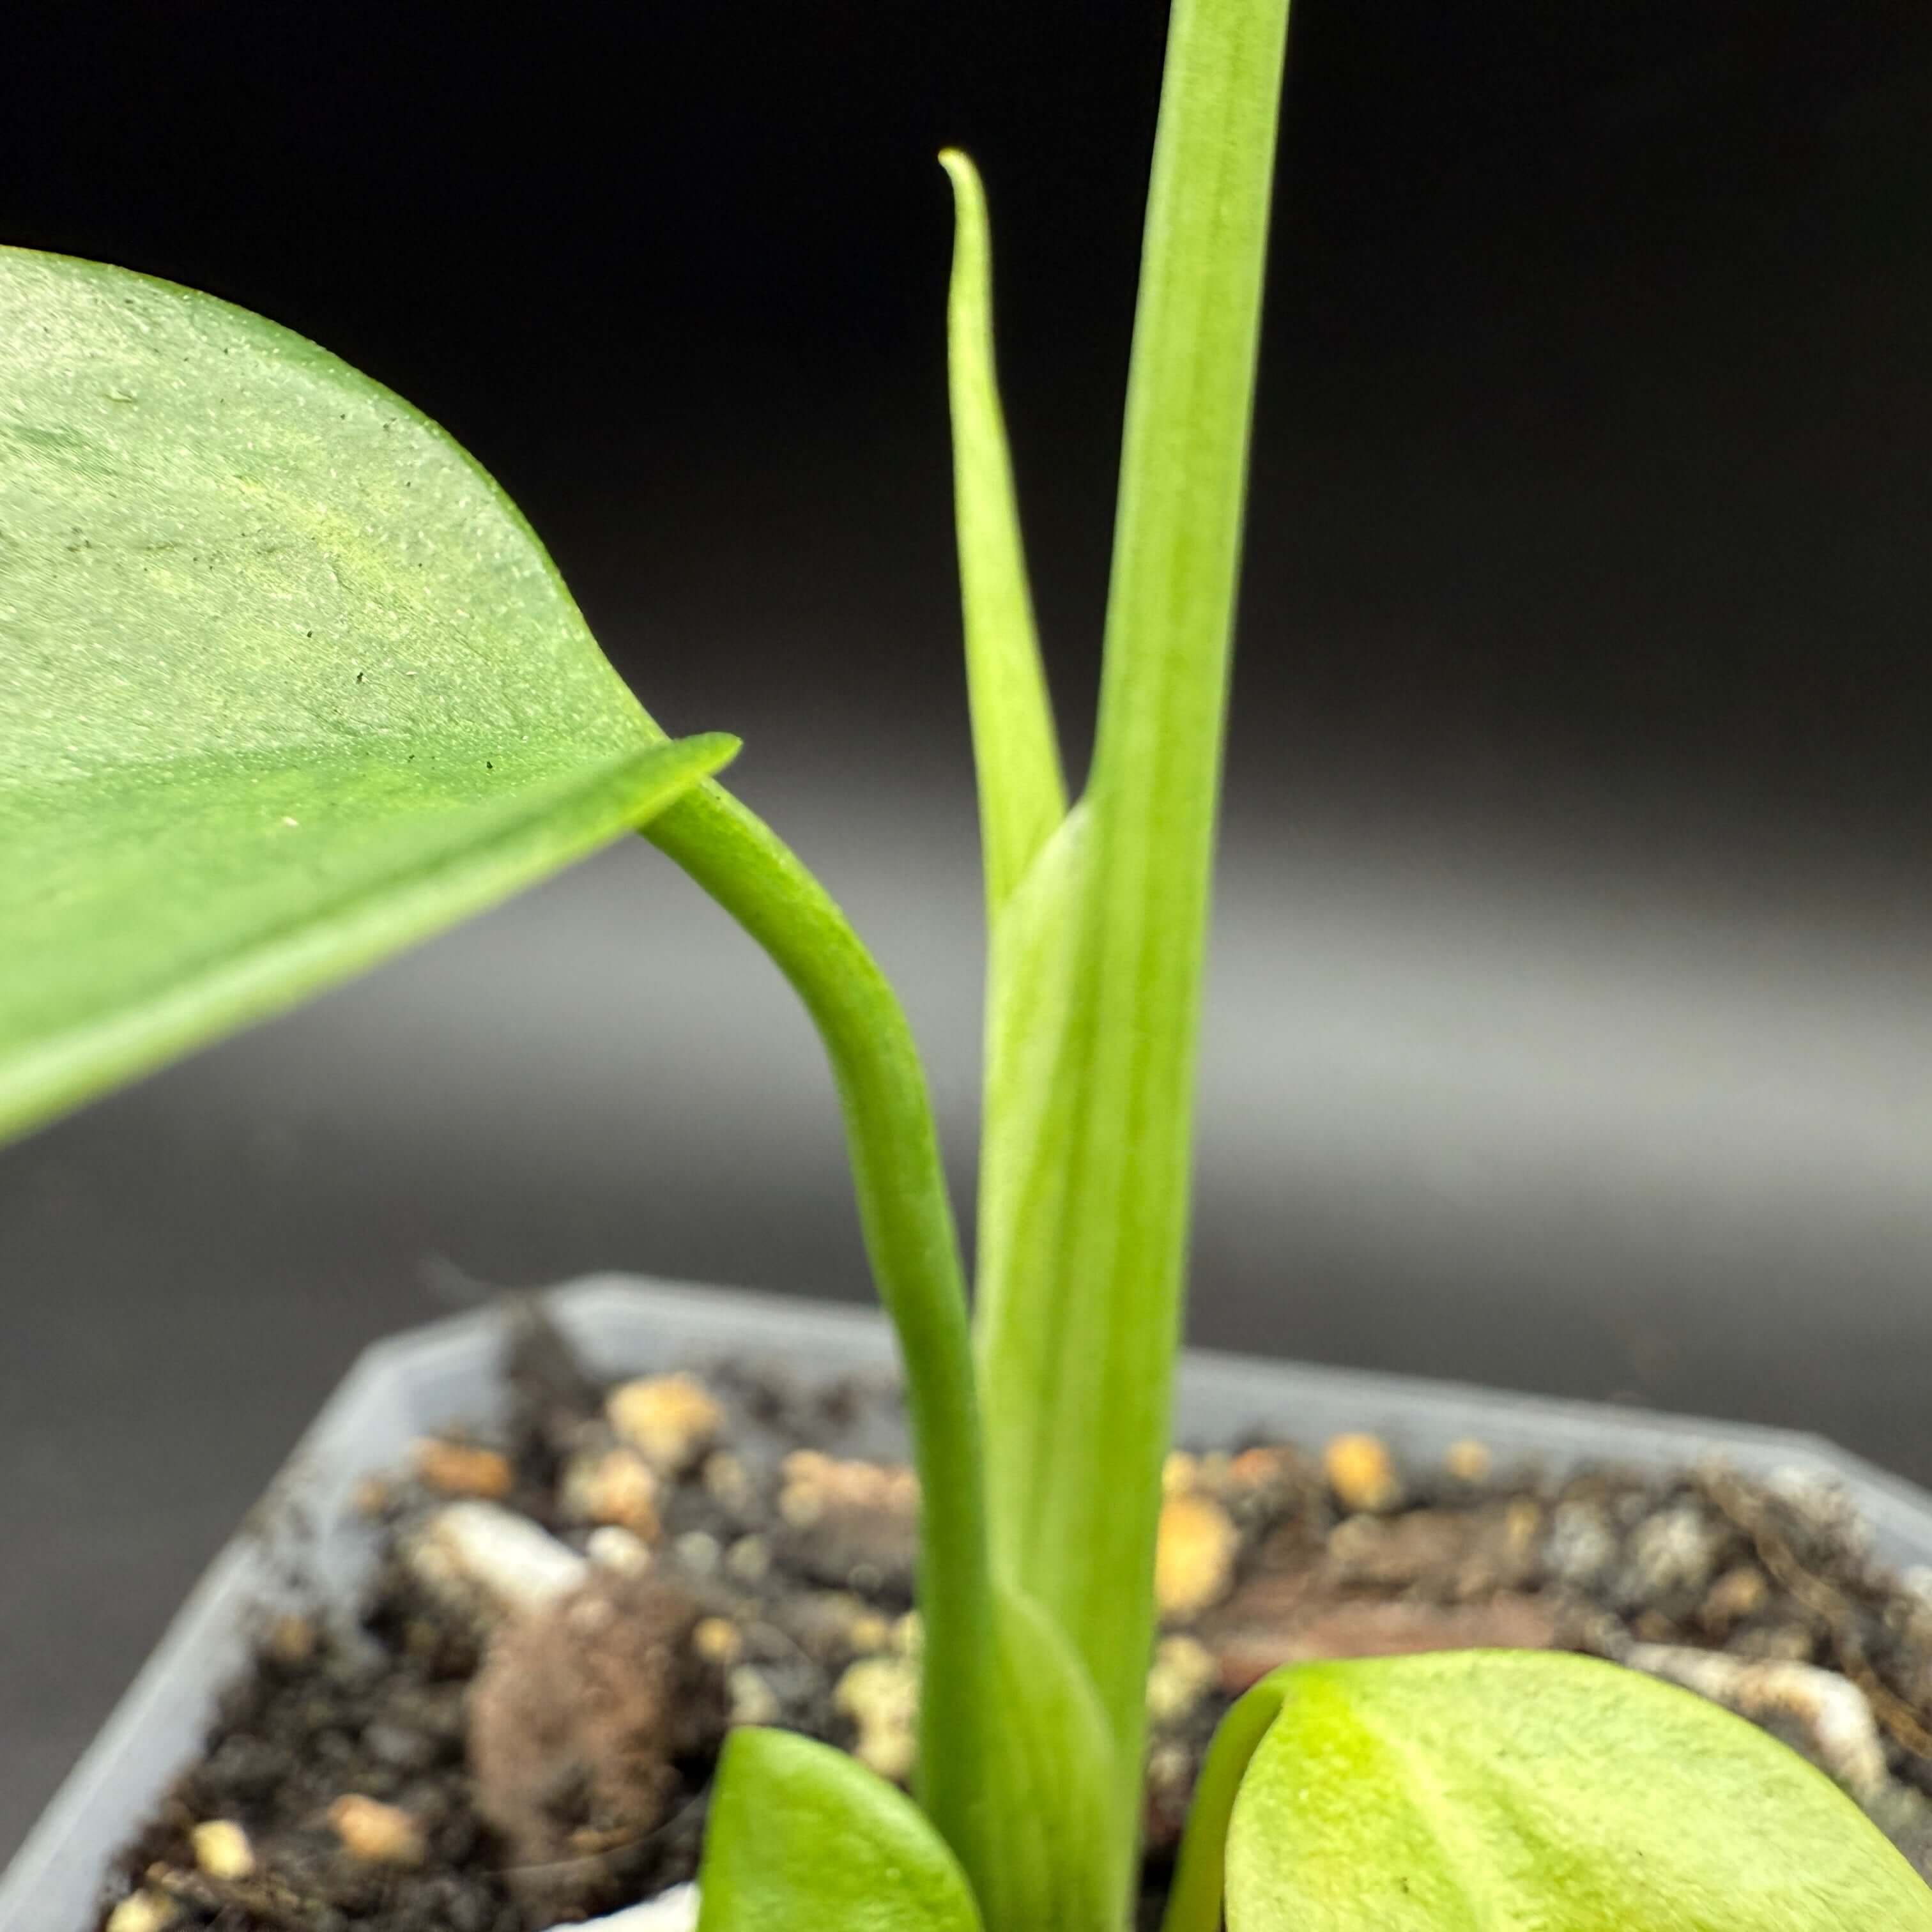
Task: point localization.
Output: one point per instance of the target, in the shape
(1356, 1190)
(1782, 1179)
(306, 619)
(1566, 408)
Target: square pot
(305, 1537)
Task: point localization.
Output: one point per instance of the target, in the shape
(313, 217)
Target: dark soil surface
(451, 1758)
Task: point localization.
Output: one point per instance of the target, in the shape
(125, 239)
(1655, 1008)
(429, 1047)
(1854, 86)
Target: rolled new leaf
(1082, 1294)
(286, 681)
(801, 1836)
(1015, 750)
(1480, 1791)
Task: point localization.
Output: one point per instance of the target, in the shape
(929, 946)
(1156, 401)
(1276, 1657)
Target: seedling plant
(286, 682)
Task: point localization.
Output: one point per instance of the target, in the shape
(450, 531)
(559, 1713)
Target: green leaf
(1044, 1809)
(1022, 795)
(801, 1836)
(1051, 1791)
(285, 682)
(1077, 1361)
(1526, 1792)
(1066, 1859)
(1030, 1100)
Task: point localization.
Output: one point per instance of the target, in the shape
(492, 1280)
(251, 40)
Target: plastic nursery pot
(447, 1373)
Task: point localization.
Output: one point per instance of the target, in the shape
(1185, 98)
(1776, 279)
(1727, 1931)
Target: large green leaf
(285, 682)
(801, 1836)
(1521, 1792)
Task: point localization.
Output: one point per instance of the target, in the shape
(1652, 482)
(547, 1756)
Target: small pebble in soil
(291, 1640)
(1737, 1596)
(880, 1696)
(1171, 1767)
(222, 1850)
(717, 1640)
(817, 1486)
(699, 1552)
(623, 1550)
(1194, 1557)
(399, 1747)
(1184, 1672)
(1582, 1544)
(1272, 1467)
(143, 1911)
(374, 1497)
(868, 1631)
(376, 1834)
(489, 1562)
(753, 1701)
(463, 1469)
(1676, 1549)
(749, 1560)
(851, 1523)
(615, 1487)
(670, 1420)
(728, 1483)
(1362, 1473)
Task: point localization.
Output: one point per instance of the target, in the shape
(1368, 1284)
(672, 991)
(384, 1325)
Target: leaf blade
(1083, 1474)
(801, 1835)
(1479, 1790)
(65, 1038)
(275, 654)
(1051, 1755)
(1032, 983)
(1016, 753)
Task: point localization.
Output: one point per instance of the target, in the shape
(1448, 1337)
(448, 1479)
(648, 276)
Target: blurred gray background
(1569, 1028)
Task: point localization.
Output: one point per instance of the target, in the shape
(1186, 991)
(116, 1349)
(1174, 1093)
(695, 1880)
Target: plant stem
(1078, 1367)
(908, 1221)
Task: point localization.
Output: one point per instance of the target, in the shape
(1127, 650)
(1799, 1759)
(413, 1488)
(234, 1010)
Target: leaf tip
(964, 177)
(716, 749)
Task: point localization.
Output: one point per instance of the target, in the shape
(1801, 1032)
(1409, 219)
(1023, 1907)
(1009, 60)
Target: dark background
(1569, 1028)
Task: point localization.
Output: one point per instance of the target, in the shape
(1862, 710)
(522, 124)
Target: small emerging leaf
(801, 1837)
(1016, 752)
(286, 681)
(1525, 1792)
